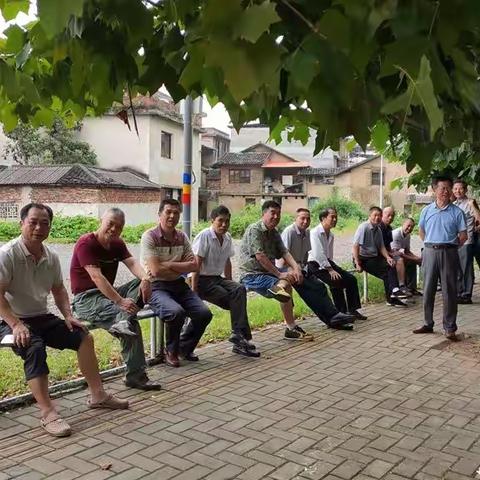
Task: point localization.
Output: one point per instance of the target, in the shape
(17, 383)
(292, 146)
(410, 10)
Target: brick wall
(255, 185)
(10, 194)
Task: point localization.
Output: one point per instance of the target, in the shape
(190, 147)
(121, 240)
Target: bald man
(93, 270)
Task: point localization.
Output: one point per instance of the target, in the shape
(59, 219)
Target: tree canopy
(381, 69)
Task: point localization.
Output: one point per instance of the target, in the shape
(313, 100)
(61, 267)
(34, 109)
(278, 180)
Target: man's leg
(336, 287)
(401, 271)
(350, 285)
(411, 274)
(378, 267)
(465, 274)
(430, 281)
(449, 266)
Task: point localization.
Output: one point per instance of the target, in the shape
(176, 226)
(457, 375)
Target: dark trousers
(346, 286)
(378, 267)
(411, 274)
(465, 275)
(440, 264)
(314, 293)
(173, 302)
(230, 296)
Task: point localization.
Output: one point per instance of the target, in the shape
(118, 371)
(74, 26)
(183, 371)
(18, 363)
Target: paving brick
(225, 473)
(43, 465)
(377, 469)
(256, 472)
(287, 471)
(348, 469)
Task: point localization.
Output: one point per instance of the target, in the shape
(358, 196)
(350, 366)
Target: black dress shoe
(358, 315)
(423, 329)
(341, 319)
(240, 341)
(171, 359)
(189, 357)
(245, 352)
(348, 327)
(464, 301)
(143, 383)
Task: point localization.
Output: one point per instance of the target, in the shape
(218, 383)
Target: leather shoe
(358, 315)
(348, 327)
(120, 329)
(190, 357)
(452, 336)
(341, 319)
(143, 383)
(464, 301)
(423, 329)
(171, 359)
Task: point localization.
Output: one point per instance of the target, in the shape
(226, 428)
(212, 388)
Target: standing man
(167, 256)
(296, 238)
(406, 260)
(321, 265)
(213, 248)
(465, 251)
(370, 254)
(261, 246)
(93, 270)
(29, 272)
(443, 229)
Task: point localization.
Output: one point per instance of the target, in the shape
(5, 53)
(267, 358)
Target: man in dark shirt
(92, 273)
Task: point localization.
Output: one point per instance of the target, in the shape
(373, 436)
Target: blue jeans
(260, 283)
(173, 302)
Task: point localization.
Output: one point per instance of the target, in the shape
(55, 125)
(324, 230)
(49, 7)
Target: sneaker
(397, 293)
(416, 293)
(395, 302)
(298, 333)
(405, 291)
(243, 350)
(120, 329)
(280, 294)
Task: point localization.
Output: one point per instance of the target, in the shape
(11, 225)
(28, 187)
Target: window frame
(168, 135)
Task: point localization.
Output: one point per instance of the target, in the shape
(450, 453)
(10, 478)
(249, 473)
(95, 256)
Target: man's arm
(356, 257)
(60, 295)
(21, 334)
(195, 275)
(462, 237)
(296, 270)
(421, 233)
(386, 256)
(145, 286)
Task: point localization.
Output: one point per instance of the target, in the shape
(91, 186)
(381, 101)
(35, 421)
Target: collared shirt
(154, 244)
(400, 240)
(297, 243)
(442, 225)
(370, 239)
(258, 239)
(28, 282)
(464, 205)
(215, 255)
(322, 247)
(386, 235)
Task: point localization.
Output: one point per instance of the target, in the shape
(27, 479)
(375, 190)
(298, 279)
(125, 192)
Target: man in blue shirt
(443, 229)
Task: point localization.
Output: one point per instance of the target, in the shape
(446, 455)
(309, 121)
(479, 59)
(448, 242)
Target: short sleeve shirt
(297, 243)
(88, 251)
(464, 205)
(258, 239)
(400, 240)
(28, 282)
(154, 244)
(215, 255)
(442, 225)
(370, 239)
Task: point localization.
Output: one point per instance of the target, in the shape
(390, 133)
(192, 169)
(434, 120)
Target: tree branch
(303, 18)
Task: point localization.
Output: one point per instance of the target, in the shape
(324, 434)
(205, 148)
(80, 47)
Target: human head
(388, 215)
(220, 217)
(328, 218)
(169, 213)
(442, 187)
(407, 226)
(460, 188)
(271, 214)
(35, 222)
(375, 215)
(112, 223)
(302, 219)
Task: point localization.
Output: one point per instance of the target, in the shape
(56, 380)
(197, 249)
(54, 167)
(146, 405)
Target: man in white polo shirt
(29, 271)
(213, 249)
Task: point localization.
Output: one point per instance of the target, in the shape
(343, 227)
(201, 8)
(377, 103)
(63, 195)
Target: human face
(408, 227)
(459, 191)
(111, 226)
(375, 217)
(443, 192)
(169, 217)
(221, 224)
(302, 221)
(330, 221)
(271, 218)
(388, 215)
(36, 226)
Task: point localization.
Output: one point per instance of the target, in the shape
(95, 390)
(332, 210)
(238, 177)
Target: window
(166, 145)
(239, 176)
(8, 210)
(249, 201)
(376, 177)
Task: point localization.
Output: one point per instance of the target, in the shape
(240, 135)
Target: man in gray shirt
(370, 255)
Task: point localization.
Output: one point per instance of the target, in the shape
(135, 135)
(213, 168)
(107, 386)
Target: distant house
(258, 173)
(78, 190)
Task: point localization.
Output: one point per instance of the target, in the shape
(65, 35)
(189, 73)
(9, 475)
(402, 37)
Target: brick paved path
(378, 403)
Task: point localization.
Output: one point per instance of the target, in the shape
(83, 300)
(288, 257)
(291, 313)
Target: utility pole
(381, 182)
(187, 165)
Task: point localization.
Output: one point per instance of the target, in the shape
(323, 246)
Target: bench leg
(161, 332)
(153, 337)
(365, 287)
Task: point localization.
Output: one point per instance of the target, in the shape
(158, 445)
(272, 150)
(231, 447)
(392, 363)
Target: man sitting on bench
(92, 273)
(29, 271)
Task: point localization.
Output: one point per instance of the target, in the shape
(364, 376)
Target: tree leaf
(44, 117)
(55, 14)
(380, 136)
(255, 20)
(8, 117)
(12, 8)
(15, 39)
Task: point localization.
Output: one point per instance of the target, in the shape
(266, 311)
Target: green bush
(346, 208)
(132, 234)
(69, 229)
(9, 230)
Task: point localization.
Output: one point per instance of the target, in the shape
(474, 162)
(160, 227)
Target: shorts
(260, 283)
(45, 331)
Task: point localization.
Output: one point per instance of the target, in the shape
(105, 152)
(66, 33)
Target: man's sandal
(109, 402)
(56, 426)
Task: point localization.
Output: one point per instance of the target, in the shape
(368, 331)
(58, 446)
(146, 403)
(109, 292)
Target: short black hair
(41, 206)
(169, 201)
(270, 204)
(441, 178)
(326, 212)
(220, 210)
(373, 209)
(463, 182)
(302, 209)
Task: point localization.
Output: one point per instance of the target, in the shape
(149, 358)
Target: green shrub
(346, 208)
(133, 234)
(9, 230)
(69, 229)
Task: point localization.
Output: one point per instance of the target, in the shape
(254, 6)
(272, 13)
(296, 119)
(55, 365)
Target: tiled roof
(243, 158)
(322, 172)
(67, 175)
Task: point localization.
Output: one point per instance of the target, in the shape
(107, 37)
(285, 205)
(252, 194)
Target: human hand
(335, 276)
(21, 335)
(391, 261)
(75, 322)
(128, 305)
(358, 267)
(145, 290)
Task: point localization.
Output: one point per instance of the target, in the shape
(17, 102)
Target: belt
(441, 246)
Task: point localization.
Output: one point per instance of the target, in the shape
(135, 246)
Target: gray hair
(115, 212)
